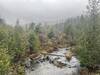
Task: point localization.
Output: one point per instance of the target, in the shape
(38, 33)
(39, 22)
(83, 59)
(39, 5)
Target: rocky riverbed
(47, 67)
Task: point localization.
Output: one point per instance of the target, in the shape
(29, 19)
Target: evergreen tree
(89, 51)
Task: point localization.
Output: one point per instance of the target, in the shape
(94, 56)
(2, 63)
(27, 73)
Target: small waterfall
(47, 66)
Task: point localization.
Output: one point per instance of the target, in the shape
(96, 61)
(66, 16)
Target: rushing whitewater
(47, 68)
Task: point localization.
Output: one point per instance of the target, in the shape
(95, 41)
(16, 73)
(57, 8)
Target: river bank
(46, 67)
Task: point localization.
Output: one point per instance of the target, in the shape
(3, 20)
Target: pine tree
(89, 51)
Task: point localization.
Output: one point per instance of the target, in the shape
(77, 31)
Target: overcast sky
(40, 10)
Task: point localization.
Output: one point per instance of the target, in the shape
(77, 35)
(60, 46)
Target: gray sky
(40, 10)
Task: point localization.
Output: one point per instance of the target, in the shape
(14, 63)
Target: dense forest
(17, 42)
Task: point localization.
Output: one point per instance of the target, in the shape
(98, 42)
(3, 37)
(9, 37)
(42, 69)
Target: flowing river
(47, 68)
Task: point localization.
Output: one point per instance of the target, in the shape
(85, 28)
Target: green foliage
(4, 61)
(51, 35)
(82, 30)
(13, 43)
(69, 31)
(85, 31)
(89, 50)
(34, 42)
(38, 28)
(32, 26)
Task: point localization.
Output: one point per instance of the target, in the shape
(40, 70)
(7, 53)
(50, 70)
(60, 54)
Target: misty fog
(48, 11)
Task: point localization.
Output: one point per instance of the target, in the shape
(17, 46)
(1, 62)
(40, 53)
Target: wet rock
(51, 65)
(55, 49)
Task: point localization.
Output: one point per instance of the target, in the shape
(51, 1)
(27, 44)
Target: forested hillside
(17, 42)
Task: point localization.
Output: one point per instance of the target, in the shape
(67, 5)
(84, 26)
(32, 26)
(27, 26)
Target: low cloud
(40, 10)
